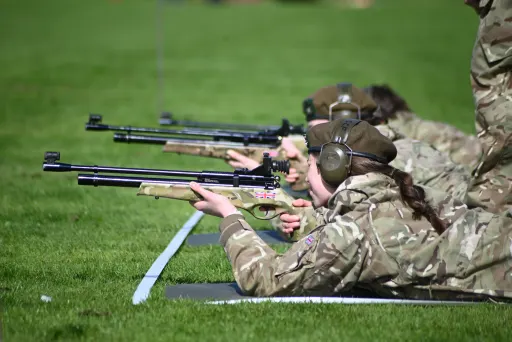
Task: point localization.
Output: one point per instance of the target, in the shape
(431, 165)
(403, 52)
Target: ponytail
(412, 195)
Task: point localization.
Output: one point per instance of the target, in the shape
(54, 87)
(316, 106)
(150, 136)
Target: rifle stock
(261, 204)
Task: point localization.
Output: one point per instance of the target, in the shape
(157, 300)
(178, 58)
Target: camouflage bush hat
(363, 138)
(349, 98)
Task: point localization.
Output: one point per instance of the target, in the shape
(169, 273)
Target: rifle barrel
(242, 174)
(240, 177)
(63, 167)
(196, 124)
(135, 182)
(260, 176)
(149, 139)
(245, 137)
(167, 120)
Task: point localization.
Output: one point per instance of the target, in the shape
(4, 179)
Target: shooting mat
(271, 237)
(230, 293)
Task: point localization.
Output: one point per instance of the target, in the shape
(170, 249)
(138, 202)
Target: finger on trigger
(298, 202)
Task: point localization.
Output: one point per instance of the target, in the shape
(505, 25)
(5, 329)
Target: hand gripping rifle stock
(256, 191)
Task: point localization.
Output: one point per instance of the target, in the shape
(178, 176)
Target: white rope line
(144, 288)
(340, 300)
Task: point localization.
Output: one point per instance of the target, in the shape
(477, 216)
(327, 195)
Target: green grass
(88, 248)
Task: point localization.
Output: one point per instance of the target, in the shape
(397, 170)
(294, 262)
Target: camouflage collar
(357, 189)
(400, 117)
(388, 132)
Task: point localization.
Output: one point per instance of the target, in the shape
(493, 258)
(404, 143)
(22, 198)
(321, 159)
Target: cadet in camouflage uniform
(463, 149)
(491, 80)
(378, 232)
(460, 147)
(427, 165)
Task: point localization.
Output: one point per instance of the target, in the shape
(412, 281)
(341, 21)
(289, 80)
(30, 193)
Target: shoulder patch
(309, 240)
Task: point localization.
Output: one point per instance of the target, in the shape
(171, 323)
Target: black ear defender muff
(335, 158)
(344, 96)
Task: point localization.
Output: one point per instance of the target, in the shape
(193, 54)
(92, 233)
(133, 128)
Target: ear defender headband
(344, 97)
(335, 158)
(344, 91)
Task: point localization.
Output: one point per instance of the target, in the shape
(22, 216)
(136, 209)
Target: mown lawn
(88, 248)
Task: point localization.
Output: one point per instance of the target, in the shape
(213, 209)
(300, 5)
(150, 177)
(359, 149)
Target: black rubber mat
(269, 236)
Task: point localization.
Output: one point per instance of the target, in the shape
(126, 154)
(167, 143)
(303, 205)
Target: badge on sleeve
(309, 240)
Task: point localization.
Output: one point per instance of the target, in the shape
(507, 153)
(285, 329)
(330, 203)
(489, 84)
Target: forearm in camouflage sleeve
(323, 263)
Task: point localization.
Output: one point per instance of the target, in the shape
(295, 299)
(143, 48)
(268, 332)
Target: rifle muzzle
(57, 167)
(129, 138)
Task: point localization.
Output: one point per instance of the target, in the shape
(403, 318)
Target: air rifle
(213, 144)
(264, 136)
(256, 191)
(166, 119)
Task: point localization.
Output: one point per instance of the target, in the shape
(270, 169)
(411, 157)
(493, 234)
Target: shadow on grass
(68, 331)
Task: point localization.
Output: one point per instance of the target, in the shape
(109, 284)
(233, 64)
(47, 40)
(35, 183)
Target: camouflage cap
(362, 138)
(350, 100)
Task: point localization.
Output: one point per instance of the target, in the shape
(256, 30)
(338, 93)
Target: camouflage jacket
(461, 148)
(368, 239)
(427, 165)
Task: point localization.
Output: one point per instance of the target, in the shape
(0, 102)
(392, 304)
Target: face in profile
(319, 191)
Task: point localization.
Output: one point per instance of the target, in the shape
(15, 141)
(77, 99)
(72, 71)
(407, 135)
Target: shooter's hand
(293, 176)
(292, 152)
(239, 161)
(212, 203)
(291, 222)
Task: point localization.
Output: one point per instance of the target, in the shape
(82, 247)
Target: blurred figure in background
(361, 3)
(462, 148)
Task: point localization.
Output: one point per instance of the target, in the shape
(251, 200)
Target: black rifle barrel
(260, 176)
(135, 182)
(243, 175)
(167, 120)
(260, 137)
(150, 139)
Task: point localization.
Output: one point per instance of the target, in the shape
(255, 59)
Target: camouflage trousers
(491, 81)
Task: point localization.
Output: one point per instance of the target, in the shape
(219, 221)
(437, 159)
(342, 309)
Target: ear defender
(336, 157)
